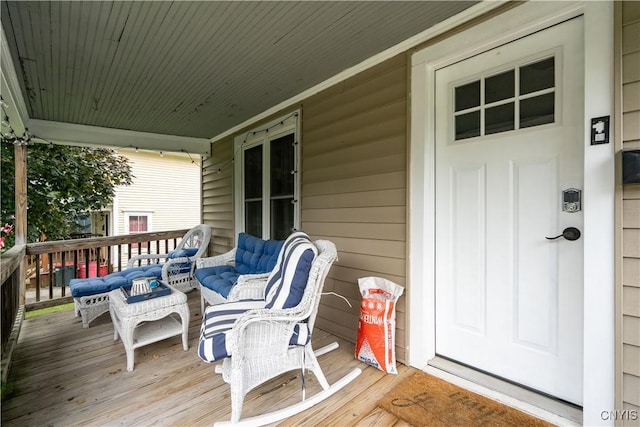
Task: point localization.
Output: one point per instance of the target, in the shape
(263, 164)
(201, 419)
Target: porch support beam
(20, 155)
(95, 136)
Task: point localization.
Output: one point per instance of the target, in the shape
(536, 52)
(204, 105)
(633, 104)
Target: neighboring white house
(165, 194)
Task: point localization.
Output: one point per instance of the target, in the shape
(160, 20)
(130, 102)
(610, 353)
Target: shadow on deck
(63, 374)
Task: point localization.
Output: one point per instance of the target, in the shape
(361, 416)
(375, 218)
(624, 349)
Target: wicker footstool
(145, 322)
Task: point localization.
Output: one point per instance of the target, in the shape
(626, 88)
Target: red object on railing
(93, 270)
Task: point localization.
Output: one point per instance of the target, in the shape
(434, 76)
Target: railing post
(20, 156)
(38, 277)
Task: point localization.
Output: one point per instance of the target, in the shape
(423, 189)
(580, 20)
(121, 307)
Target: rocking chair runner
(261, 339)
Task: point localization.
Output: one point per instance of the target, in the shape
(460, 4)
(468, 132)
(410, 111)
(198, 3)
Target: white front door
(508, 143)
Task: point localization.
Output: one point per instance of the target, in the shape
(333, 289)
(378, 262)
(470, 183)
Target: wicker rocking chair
(261, 339)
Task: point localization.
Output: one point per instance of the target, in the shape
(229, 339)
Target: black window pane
(468, 125)
(253, 172)
(467, 96)
(537, 76)
(499, 87)
(281, 218)
(282, 165)
(499, 119)
(253, 218)
(538, 110)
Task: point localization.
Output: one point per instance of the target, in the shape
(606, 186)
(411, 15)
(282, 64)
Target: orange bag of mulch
(377, 326)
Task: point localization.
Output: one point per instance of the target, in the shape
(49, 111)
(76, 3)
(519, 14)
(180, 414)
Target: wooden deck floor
(64, 375)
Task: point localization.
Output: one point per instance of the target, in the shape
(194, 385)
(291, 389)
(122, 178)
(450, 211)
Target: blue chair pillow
(287, 281)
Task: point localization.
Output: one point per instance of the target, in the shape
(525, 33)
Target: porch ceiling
(193, 69)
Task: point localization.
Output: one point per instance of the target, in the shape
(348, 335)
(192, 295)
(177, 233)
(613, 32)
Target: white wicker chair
(173, 271)
(90, 307)
(260, 340)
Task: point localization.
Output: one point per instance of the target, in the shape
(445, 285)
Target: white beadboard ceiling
(193, 68)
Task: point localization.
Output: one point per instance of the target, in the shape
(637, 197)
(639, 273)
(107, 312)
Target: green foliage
(47, 310)
(6, 390)
(63, 182)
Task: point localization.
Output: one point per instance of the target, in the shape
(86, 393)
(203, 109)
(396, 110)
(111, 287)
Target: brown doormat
(424, 400)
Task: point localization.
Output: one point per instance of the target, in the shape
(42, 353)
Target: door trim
(599, 185)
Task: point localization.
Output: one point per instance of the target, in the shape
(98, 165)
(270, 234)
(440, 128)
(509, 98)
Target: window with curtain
(137, 223)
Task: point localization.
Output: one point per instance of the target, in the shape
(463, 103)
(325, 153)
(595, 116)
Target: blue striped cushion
(288, 279)
(218, 321)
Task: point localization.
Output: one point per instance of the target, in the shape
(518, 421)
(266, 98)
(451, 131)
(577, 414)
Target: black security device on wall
(631, 167)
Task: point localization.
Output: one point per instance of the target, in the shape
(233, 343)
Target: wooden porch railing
(9, 275)
(51, 265)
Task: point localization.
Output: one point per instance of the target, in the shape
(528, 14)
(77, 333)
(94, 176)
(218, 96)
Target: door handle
(569, 233)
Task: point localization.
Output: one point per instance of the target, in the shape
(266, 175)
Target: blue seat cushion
(219, 319)
(186, 252)
(118, 279)
(253, 256)
(220, 279)
(183, 267)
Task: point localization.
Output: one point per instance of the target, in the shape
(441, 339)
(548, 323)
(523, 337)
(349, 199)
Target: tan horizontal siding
(631, 67)
(354, 162)
(631, 125)
(217, 196)
(631, 359)
(383, 214)
(631, 272)
(631, 301)
(630, 59)
(631, 330)
(391, 197)
(382, 181)
(631, 242)
(391, 163)
(631, 388)
(631, 96)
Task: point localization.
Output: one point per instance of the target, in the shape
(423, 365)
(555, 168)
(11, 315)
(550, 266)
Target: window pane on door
(467, 96)
(282, 211)
(468, 125)
(499, 87)
(537, 110)
(253, 218)
(253, 191)
(282, 166)
(537, 76)
(253, 172)
(499, 119)
(282, 186)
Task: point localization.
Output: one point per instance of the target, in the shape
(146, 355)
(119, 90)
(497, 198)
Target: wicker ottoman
(145, 322)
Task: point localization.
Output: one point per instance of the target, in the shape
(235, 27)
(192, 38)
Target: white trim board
(69, 133)
(599, 313)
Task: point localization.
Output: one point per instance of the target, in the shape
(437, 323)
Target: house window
(518, 98)
(267, 180)
(137, 222)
